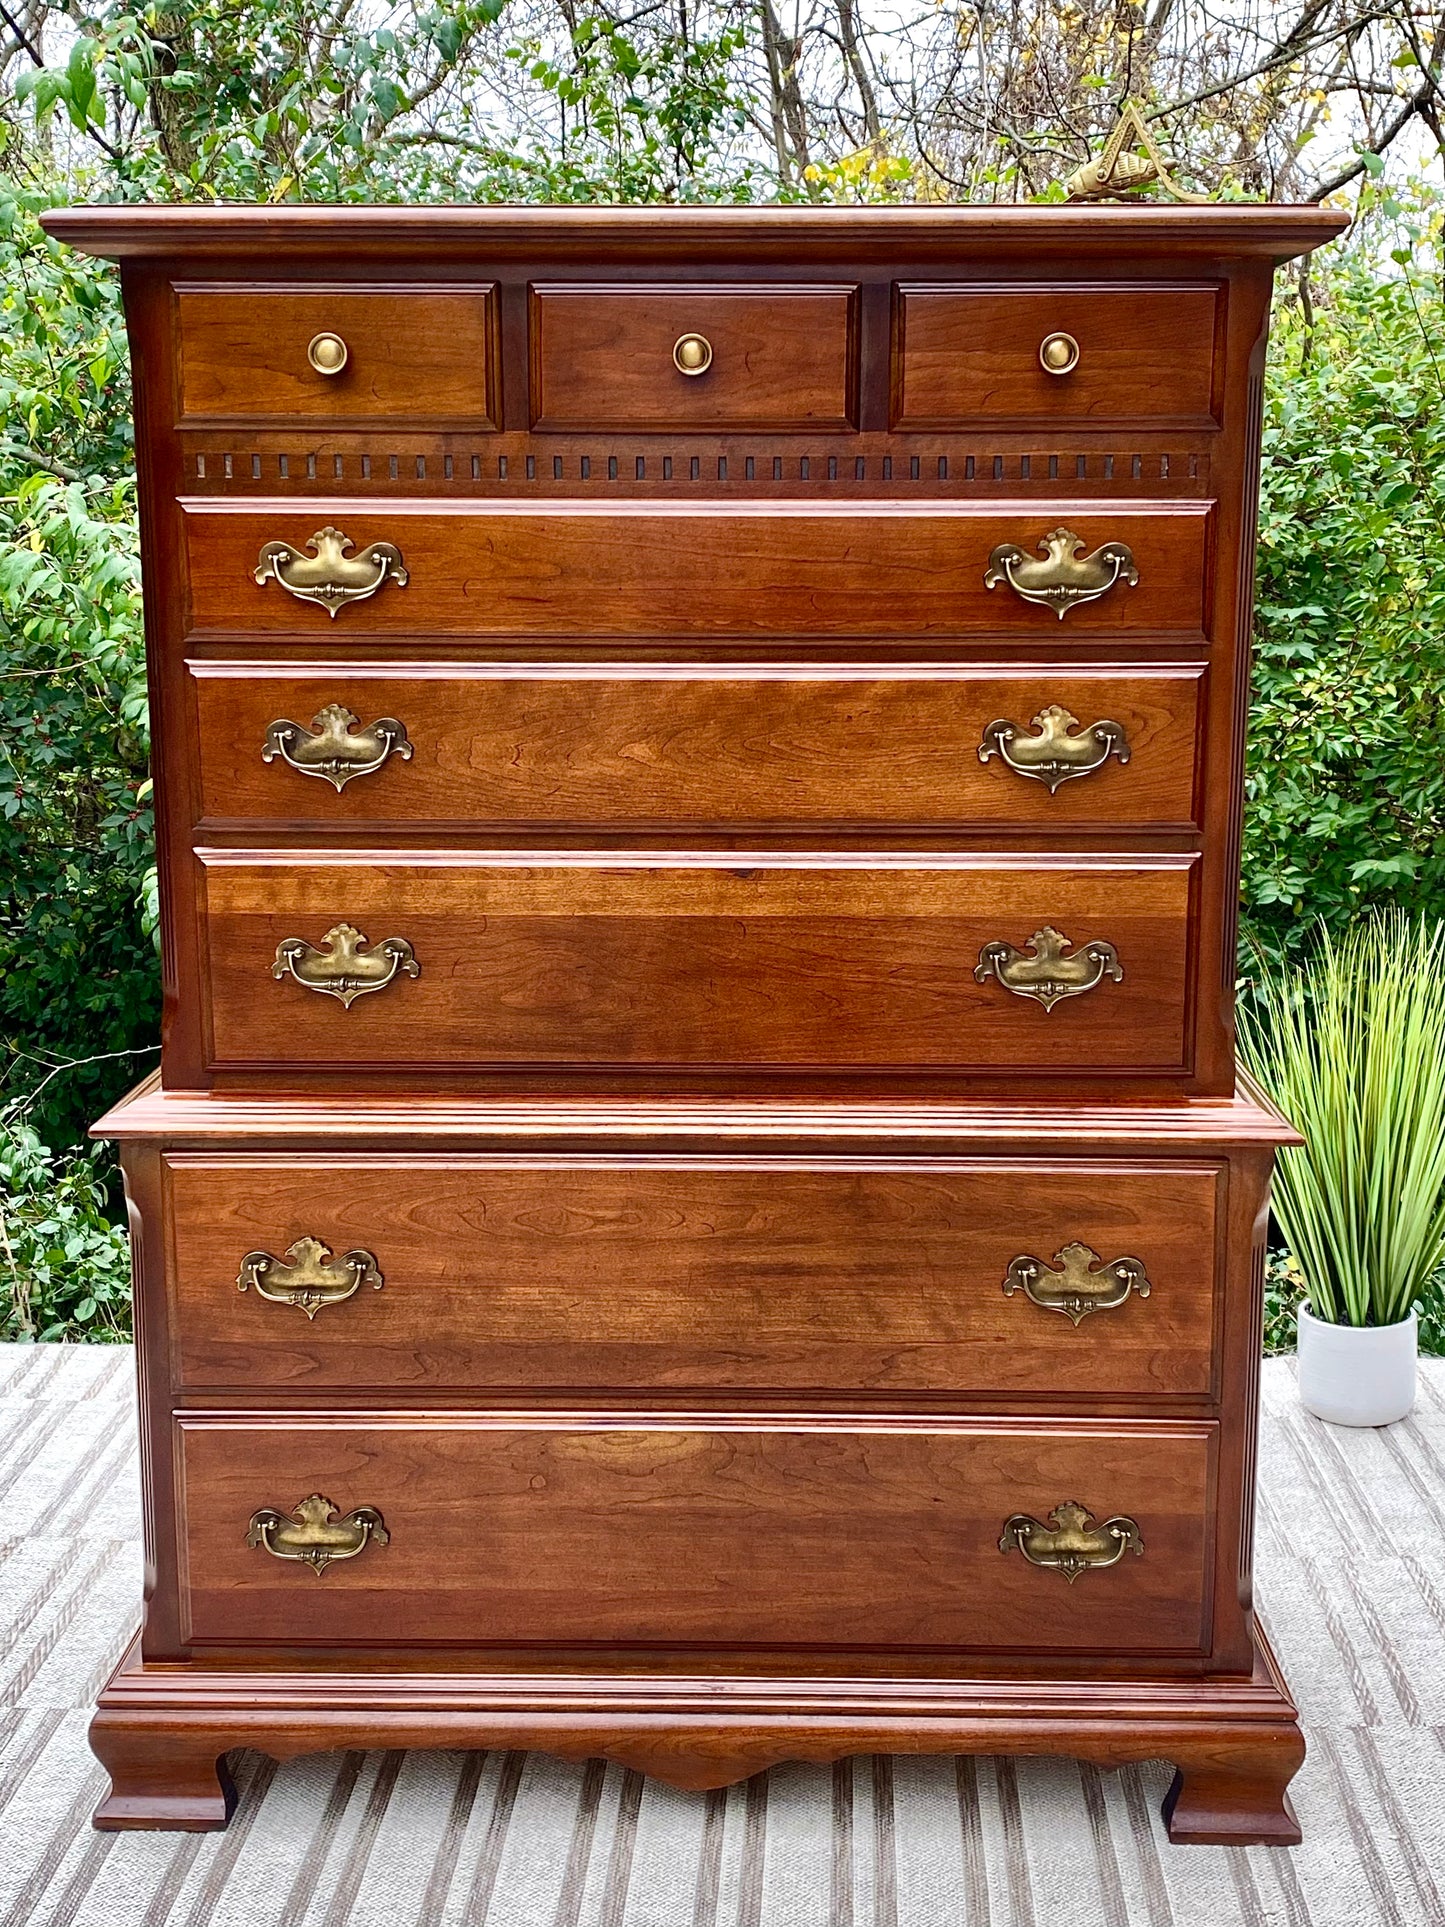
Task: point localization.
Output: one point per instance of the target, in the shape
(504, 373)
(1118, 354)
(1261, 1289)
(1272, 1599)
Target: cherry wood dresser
(696, 1207)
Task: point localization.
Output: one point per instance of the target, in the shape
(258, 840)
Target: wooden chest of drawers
(696, 1207)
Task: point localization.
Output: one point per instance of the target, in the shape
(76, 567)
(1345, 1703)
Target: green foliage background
(1346, 778)
(1346, 781)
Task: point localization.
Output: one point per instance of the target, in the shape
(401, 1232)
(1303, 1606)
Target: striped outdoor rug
(1352, 1580)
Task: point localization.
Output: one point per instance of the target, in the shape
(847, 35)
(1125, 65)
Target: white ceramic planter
(1356, 1374)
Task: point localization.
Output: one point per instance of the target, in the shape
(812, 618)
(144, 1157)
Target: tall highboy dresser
(696, 1208)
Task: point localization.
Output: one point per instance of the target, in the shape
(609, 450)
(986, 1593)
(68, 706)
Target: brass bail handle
(314, 1533)
(1071, 1542)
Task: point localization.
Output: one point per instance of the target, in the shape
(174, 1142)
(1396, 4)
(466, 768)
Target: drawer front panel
(628, 744)
(564, 1530)
(591, 960)
(761, 569)
(419, 354)
(775, 358)
(745, 1274)
(966, 356)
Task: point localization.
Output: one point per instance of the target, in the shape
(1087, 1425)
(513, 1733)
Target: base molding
(162, 1731)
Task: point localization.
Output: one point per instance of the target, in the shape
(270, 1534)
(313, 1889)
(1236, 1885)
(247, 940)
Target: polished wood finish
(425, 354)
(749, 1274)
(821, 1535)
(830, 748)
(694, 1159)
(969, 355)
(789, 570)
(781, 358)
(603, 238)
(734, 962)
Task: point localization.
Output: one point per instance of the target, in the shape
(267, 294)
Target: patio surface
(1351, 1582)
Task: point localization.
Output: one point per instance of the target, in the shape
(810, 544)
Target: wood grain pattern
(970, 355)
(733, 961)
(817, 1534)
(790, 569)
(696, 744)
(695, 1127)
(420, 354)
(748, 1274)
(783, 358)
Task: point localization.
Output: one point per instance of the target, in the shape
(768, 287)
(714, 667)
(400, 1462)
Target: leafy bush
(78, 976)
(1346, 783)
(64, 1264)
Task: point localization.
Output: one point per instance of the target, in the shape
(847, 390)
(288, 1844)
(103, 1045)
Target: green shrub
(64, 1263)
(78, 976)
(1346, 783)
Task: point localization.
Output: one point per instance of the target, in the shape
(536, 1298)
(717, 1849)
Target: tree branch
(22, 453)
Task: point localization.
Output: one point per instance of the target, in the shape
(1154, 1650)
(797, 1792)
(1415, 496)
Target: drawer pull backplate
(1084, 1283)
(329, 576)
(1049, 976)
(343, 965)
(314, 1533)
(1074, 1545)
(1051, 757)
(1063, 578)
(334, 749)
(307, 1277)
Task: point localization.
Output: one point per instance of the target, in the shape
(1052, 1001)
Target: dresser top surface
(275, 237)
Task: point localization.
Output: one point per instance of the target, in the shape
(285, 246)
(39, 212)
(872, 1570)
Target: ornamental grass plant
(1350, 1044)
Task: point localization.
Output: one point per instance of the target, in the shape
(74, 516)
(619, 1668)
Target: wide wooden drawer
(627, 743)
(975, 355)
(420, 354)
(568, 1529)
(658, 358)
(555, 1273)
(696, 961)
(793, 569)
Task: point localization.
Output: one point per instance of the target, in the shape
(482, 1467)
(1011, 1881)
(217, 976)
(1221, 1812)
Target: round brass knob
(327, 354)
(692, 354)
(1059, 354)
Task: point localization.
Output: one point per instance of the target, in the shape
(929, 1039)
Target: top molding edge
(420, 1122)
(264, 237)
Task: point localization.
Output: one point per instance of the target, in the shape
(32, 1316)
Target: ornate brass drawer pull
(1053, 756)
(1049, 976)
(314, 1534)
(344, 970)
(1074, 1545)
(1059, 353)
(1084, 1284)
(330, 576)
(692, 354)
(1064, 578)
(307, 1278)
(336, 751)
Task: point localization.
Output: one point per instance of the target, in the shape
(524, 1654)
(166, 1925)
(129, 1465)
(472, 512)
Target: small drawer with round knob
(347, 357)
(1065, 355)
(679, 358)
